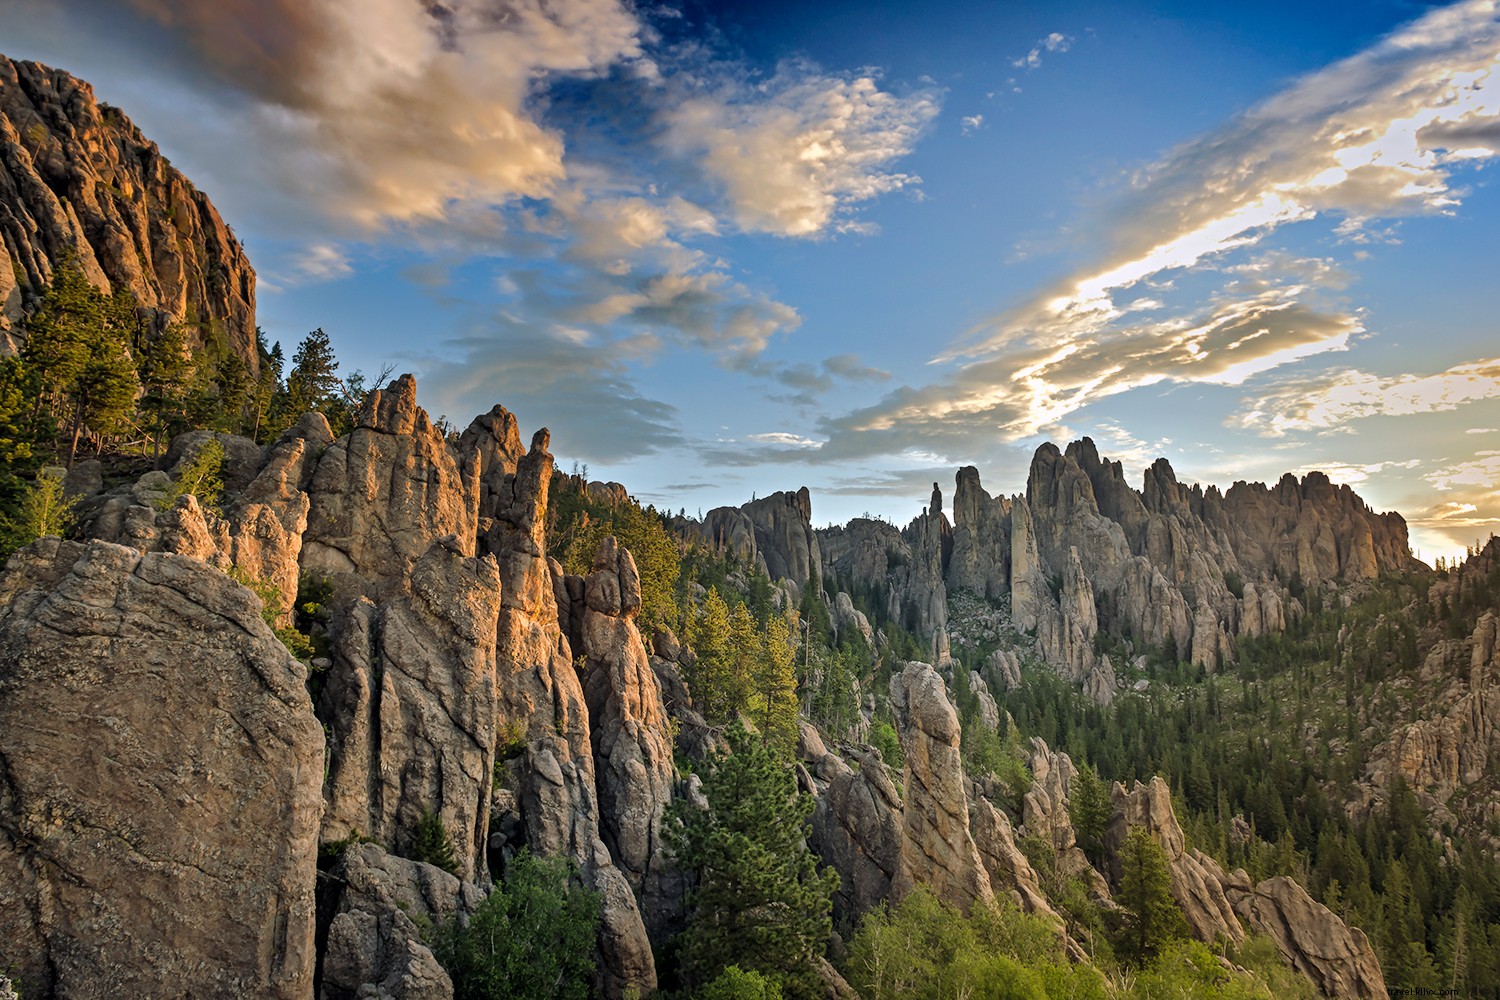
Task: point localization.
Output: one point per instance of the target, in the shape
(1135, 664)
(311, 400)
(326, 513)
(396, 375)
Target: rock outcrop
(784, 536)
(79, 181)
(540, 696)
(632, 741)
(382, 495)
(411, 708)
(383, 910)
(1197, 880)
(154, 732)
(938, 849)
(1313, 940)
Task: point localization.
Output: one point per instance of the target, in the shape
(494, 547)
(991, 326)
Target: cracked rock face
(384, 493)
(384, 913)
(631, 738)
(410, 704)
(80, 180)
(938, 850)
(1314, 940)
(161, 784)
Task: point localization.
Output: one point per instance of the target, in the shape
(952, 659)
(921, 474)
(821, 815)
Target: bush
(884, 739)
(532, 938)
(432, 845)
(43, 510)
(202, 475)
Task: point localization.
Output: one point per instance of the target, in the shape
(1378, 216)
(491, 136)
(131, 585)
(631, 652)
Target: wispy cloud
(1054, 42)
(794, 153)
(1345, 142)
(1332, 401)
(317, 262)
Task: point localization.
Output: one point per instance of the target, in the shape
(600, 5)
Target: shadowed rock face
(383, 910)
(162, 781)
(78, 179)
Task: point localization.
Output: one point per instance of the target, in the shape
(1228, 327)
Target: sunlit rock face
(79, 180)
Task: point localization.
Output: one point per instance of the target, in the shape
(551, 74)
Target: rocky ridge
(78, 180)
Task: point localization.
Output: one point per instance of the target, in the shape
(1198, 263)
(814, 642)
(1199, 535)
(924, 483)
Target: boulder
(1336, 957)
(383, 912)
(154, 730)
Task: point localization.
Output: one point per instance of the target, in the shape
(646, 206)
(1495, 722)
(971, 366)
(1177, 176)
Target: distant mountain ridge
(78, 179)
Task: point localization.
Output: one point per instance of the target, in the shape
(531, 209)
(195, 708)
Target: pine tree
(1152, 916)
(81, 358)
(431, 844)
(709, 677)
(314, 380)
(774, 681)
(1089, 808)
(760, 901)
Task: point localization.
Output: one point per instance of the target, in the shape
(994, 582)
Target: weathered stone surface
(384, 493)
(410, 703)
(1197, 880)
(631, 738)
(981, 538)
(1451, 746)
(937, 850)
(858, 830)
(540, 695)
(784, 536)
(1008, 868)
(1314, 940)
(79, 180)
(154, 731)
(1045, 814)
(384, 911)
(847, 616)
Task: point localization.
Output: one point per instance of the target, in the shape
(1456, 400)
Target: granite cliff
(78, 180)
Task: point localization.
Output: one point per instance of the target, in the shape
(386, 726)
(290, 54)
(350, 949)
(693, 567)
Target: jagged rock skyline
(793, 243)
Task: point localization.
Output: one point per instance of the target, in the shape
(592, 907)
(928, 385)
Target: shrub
(202, 475)
(43, 510)
(432, 845)
(532, 938)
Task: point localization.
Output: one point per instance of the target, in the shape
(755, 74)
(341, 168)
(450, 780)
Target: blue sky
(724, 249)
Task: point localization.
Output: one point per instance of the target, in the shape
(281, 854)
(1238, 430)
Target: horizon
(724, 250)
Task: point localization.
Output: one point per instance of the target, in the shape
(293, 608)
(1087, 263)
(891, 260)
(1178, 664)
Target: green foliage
(431, 844)
(43, 509)
(1152, 918)
(531, 939)
(744, 667)
(578, 522)
(883, 738)
(78, 349)
(1089, 809)
(759, 901)
(202, 475)
(735, 983)
(313, 382)
(924, 949)
(986, 753)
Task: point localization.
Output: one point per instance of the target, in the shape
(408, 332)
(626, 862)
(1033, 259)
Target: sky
(726, 249)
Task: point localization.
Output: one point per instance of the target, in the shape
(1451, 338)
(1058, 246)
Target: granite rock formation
(154, 730)
(79, 180)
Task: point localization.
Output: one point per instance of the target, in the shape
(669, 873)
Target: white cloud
(783, 439)
(795, 153)
(1334, 400)
(1345, 141)
(972, 123)
(1054, 42)
(1481, 472)
(318, 262)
